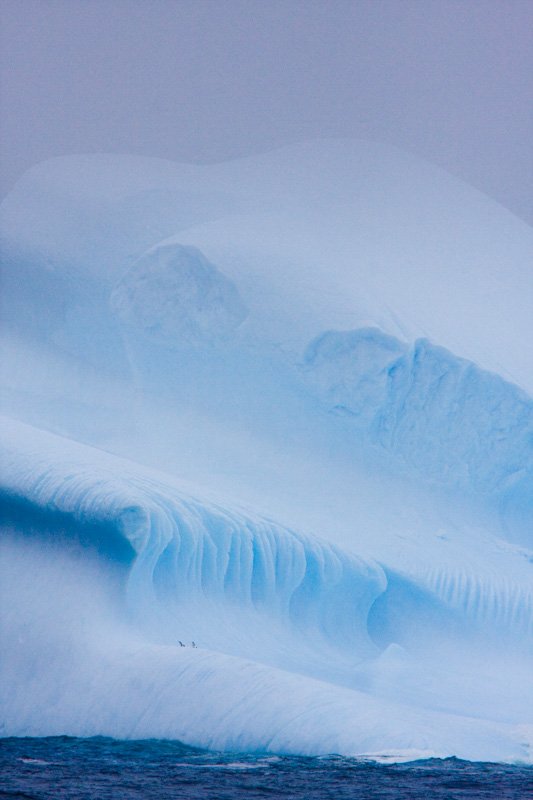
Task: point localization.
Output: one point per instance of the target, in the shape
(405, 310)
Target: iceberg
(267, 456)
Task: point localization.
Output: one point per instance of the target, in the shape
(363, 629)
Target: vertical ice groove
(299, 581)
(489, 600)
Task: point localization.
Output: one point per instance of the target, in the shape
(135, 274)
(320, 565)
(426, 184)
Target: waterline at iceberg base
(267, 456)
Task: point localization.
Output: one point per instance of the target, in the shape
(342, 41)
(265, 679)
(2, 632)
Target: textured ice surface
(282, 622)
(440, 414)
(174, 295)
(276, 407)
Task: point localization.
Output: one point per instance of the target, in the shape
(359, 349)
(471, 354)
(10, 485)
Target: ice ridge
(193, 556)
(201, 570)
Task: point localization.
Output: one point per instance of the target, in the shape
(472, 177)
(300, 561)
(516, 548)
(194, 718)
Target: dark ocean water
(100, 768)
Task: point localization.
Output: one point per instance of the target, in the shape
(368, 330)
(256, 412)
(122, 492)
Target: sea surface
(100, 768)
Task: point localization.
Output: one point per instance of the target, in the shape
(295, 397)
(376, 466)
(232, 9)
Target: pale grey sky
(206, 80)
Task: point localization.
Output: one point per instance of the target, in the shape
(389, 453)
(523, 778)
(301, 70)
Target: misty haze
(266, 375)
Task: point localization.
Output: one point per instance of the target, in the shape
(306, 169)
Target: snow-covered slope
(311, 370)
